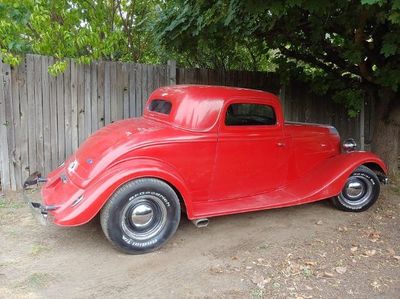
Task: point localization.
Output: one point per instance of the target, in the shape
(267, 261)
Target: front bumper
(39, 211)
(383, 179)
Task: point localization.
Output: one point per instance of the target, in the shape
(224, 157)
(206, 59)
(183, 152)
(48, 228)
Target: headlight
(349, 145)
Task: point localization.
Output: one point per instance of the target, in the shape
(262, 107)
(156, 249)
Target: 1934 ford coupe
(207, 151)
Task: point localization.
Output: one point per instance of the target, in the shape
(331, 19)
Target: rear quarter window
(160, 106)
(248, 114)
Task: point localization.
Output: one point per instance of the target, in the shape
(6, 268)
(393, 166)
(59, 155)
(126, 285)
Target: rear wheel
(141, 216)
(360, 191)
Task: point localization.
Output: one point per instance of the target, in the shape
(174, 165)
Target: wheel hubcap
(357, 191)
(354, 189)
(142, 215)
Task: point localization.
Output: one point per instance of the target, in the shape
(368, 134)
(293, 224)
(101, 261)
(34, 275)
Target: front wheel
(360, 191)
(141, 216)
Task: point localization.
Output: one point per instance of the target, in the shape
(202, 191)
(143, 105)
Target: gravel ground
(309, 251)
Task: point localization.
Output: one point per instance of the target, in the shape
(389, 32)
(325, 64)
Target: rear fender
(328, 179)
(101, 189)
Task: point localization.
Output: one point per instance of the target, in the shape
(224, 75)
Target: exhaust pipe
(203, 222)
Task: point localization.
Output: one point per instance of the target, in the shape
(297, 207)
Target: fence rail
(43, 118)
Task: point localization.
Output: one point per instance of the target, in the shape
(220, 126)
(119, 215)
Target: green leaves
(57, 68)
(340, 48)
(352, 98)
(9, 58)
(372, 2)
(80, 29)
(391, 44)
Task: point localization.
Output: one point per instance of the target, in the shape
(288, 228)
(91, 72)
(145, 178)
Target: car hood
(108, 144)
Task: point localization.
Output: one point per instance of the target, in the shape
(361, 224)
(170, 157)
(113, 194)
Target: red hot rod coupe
(208, 151)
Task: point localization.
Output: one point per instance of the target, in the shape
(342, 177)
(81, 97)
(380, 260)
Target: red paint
(217, 169)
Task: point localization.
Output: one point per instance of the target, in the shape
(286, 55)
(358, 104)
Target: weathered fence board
(43, 118)
(67, 109)
(31, 114)
(46, 116)
(9, 122)
(5, 161)
(38, 105)
(53, 119)
(17, 126)
(23, 100)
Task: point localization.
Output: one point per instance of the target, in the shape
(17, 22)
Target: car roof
(197, 107)
(212, 92)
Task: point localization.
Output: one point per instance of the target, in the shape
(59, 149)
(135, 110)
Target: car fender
(328, 179)
(101, 189)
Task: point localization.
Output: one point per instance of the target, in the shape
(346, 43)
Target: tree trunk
(385, 140)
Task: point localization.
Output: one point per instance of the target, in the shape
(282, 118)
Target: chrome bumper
(39, 211)
(383, 179)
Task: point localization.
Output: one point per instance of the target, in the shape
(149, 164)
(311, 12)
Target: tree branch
(359, 40)
(314, 61)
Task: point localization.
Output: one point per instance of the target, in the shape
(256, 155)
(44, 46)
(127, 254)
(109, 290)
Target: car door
(251, 150)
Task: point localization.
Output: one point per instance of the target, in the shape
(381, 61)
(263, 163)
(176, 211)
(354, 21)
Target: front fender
(100, 190)
(327, 180)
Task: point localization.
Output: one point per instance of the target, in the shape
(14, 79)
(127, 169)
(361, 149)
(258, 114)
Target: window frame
(157, 112)
(262, 101)
(252, 117)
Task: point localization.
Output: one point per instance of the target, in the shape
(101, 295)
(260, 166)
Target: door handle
(281, 144)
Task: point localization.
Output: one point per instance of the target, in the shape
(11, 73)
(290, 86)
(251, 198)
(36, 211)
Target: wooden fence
(43, 118)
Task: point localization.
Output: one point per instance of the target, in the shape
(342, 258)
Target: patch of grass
(396, 189)
(307, 272)
(257, 294)
(13, 232)
(2, 203)
(263, 246)
(36, 281)
(38, 249)
(10, 204)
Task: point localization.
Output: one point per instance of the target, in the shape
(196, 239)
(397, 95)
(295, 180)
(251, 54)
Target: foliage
(82, 29)
(345, 48)
(342, 48)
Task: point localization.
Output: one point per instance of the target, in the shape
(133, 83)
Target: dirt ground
(309, 251)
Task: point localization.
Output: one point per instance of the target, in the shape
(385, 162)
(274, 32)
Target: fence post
(282, 97)
(171, 72)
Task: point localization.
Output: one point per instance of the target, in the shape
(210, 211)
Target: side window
(250, 115)
(160, 106)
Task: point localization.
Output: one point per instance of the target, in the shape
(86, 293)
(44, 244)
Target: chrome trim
(72, 166)
(142, 215)
(77, 201)
(356, 192)
(145, 230)
(354, 189)
(64, 178)
(202, 222)
(383, 179)
(349, 145)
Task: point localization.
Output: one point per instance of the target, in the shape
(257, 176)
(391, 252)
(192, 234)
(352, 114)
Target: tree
(86, 30)
(348, 49)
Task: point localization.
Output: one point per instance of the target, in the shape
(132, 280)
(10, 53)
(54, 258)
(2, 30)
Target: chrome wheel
(143, 217)
(357, 191)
